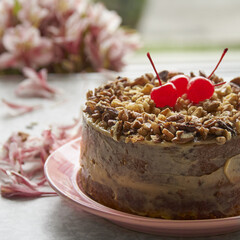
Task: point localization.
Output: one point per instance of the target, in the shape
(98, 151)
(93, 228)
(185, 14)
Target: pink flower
(62, 8)
(72, 37)
(63, 35)
(92, 51)
(35, 85)
(5, 18)
(106, 50)
(65, 7)
(17, 185)
(117, 46)
(49, 4)
(25, 47)
(23, 158)
(105, 43)
(100, 17)
(32, 13)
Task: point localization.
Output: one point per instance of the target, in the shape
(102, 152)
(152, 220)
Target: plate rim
(110, 213)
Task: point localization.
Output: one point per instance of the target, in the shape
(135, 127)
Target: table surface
(51, 218)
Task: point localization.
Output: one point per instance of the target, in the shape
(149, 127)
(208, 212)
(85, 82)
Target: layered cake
(179, 162)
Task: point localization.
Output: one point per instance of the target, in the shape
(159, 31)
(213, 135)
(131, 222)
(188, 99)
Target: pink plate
(61, 171)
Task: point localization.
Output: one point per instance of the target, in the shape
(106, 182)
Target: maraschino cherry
(164, 95)
(198, 88)
(181, 83)
(201, 88)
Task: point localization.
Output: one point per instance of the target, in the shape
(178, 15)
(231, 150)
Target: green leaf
(16, 8)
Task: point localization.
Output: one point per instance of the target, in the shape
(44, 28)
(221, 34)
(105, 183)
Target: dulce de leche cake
(177, 162)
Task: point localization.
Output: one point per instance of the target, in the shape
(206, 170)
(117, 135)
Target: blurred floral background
(130, 11)
(68, 36)
(182, 25)
(62, 36)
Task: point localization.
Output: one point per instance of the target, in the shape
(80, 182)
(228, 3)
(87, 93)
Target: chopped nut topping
(237, 126)
(183, 137)
(125, 108)
(168, 134)
(221, 140)
(211, 106)
(166, 112)
(147, 89)
(199, 112)
(176, 118)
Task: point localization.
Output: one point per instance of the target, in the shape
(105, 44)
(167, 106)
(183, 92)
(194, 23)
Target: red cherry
(199, 89)
(165, 95)
(180, 82)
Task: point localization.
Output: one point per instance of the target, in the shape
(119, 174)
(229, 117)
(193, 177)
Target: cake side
(159, 180)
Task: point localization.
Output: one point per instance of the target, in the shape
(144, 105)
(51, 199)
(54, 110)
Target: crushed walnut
(125, 108)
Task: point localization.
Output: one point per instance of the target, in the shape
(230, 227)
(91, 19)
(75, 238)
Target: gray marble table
(51, 218)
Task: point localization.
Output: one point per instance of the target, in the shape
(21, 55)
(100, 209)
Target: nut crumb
(125, 108)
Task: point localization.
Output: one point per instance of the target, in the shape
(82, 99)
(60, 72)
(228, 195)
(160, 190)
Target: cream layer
(198, 171)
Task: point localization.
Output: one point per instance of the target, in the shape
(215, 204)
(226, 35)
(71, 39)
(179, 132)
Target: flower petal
(35, 85)
(27, 155)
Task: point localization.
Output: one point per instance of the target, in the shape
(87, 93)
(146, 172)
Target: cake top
(125, 109)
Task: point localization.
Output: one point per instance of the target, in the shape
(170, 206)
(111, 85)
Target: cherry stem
(219, 84)
(150, 59)
(223, 54)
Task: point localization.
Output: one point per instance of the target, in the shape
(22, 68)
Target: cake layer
(191, 181)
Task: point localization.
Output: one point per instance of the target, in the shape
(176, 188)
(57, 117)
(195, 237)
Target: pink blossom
(35, 85)
(92, 51)
(61, 8)
(25, 47)
(106, 50)
(57, 5)
(31, 12)
(23, 158)
(73, 33)
(117, 46)
(5, 18)
(64, 7)
(105, 43)
(100, 17)
(62, 35)
(49, 4)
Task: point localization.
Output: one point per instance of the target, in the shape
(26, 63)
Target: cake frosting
(173, 163)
